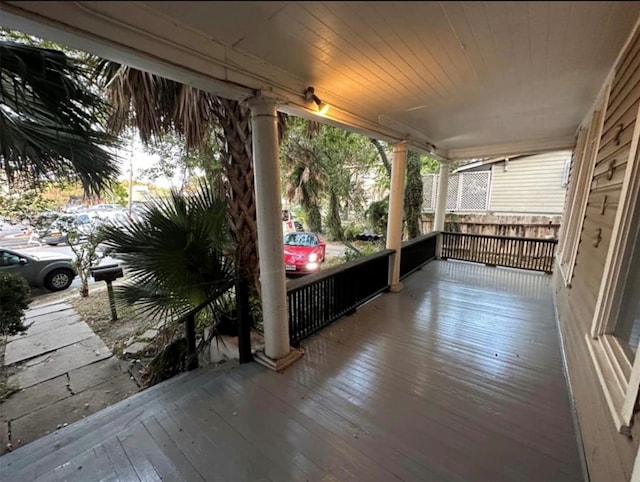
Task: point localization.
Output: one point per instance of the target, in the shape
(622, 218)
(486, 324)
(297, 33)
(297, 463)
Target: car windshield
(300, 239)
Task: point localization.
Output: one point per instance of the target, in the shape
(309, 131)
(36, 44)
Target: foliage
(176, 160)
(413, 195)
(15, 296)
(377, 215)
(50, 118)
(352, 230)
(333, 217)
(429, 165)
(384, 158)
(177, 256)
(325, 167)
(85, 248)
(354, 251)
(303, 176)
(24, 205)
(118, 193)
(172, 360)
(157, 107)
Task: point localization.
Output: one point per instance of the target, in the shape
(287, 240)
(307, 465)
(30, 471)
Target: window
(615, 333)
(627, 326)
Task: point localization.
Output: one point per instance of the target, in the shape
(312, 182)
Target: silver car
(53, 271)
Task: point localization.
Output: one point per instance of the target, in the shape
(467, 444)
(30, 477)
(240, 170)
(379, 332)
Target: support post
(394, 223)
(190, 333)
(112, 301)
(244, 323)
(264, 123)
(441, 203)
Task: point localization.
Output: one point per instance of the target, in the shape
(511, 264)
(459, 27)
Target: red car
(303, 252)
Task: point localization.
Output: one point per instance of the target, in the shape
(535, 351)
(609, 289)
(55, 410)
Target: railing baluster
(524, 253)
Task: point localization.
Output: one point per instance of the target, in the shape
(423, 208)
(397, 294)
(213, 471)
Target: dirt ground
(117, 335)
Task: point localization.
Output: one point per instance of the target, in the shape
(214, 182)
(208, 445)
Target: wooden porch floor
(457, 377)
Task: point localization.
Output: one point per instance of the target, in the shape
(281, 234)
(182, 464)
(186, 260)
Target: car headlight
(313, 257)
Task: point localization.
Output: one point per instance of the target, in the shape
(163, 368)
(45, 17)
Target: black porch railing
(416, 252)
(317, 300)
(525, 253)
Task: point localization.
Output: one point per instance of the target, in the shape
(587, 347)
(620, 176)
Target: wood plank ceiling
(470, 77)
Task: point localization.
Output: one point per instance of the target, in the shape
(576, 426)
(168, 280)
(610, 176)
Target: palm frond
(178, 256)
(50, 119)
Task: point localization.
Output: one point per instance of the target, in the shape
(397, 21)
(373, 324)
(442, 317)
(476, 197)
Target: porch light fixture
(309, 95)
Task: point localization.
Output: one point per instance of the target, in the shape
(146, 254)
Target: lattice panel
(467, 191)
(452, 193)
(429, 190)
(475, 187)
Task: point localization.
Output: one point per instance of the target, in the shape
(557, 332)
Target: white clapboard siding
(531, 184)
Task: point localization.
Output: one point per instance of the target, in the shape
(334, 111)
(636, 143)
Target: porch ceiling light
(309, 95)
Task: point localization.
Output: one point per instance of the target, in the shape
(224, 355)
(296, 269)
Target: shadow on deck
(458, 377)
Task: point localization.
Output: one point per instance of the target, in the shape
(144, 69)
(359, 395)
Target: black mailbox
(107, 272)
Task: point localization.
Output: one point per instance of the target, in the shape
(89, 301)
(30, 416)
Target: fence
(466, 191)
(417, 252)
(525, 253)
(317, 300)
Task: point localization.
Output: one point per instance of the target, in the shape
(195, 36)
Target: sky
(141, 160)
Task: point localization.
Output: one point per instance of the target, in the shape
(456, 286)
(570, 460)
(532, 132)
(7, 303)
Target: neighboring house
(532, 184)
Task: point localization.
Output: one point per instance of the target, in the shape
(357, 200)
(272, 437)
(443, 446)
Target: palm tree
(177, 256)
(50, 120)
(304, 173)
(156, 106)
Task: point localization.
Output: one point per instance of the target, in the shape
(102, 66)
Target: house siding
(610, 455)
(532, 184)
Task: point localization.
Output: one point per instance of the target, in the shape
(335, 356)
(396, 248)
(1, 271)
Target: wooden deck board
(458, 377)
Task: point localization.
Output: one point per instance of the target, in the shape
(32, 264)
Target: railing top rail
(300, 283)
(419, 239)
(492, 236)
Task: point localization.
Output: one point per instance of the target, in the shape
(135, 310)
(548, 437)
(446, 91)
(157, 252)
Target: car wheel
(52, 244)
(59, 279)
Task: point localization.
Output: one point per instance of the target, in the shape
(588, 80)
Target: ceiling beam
(534, 146)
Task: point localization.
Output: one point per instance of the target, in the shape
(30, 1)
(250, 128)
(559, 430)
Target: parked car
(53, 271)
(303, 252)
(369, 236)
(57, 232)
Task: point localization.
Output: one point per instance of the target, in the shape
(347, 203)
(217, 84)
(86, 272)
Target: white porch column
(441, 202)
(396, 201)
(264, 123)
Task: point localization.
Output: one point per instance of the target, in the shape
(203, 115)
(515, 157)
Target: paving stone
(34, 398)
(36, 424)
(43, 324)
(62, 361)
(148, 335)
(48, 308)
(89, 376)
(135, 349)
(31, 346)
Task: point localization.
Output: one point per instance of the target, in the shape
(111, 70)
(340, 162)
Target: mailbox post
(108, 273)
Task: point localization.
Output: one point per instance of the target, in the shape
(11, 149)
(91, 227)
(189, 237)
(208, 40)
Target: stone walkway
(64, 371)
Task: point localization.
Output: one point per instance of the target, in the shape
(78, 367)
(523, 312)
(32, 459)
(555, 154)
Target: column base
(281, 363)
(396, 288)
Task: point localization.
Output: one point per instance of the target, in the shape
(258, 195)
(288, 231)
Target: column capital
(263, 101)
(400, 146)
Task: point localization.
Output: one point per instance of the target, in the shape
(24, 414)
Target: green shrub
(15, 296)
(362, 249)
(352, 230)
